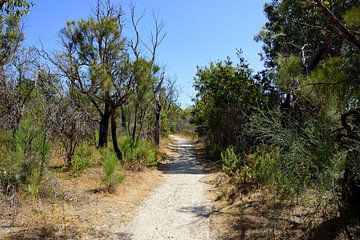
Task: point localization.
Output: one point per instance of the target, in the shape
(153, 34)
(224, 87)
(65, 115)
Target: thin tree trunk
(158, 110)
(104, 127)
(123, 119)
(157, 124)
(135, 124)
(142, 116)
(114, 135)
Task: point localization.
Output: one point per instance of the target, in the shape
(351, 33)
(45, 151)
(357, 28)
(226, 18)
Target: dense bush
(226, 98)
(261, 167)
(137, 155)
(232, 161)
(79, 163)
(24, 161)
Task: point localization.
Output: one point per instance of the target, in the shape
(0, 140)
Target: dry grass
(248, 212)
(80, 210)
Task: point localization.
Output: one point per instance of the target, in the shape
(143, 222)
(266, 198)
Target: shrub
(25, 161)
(213, 151)
(261, 167)
(232, 161)
(264, 164)
(81, 159)
(138, 155)
(110, 166)
(79, 163)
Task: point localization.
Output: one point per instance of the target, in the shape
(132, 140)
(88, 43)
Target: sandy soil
(179, 208)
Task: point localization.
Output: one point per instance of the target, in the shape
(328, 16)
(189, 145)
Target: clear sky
(198, 31)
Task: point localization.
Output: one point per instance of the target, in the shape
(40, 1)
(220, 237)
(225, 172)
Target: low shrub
(232, 161)
(24, 161)
(264, 164)
(79, 163)
(110, 167)
(261, 167)
(138, 155)
(81, 159)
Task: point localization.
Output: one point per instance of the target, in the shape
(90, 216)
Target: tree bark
(158, 110)
(123, 119)
(114, 135)
(104, 127)
(135, 124)
(350, 209)
(157, 123)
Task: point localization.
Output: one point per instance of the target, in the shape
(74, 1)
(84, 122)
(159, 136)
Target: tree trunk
(157, 124)
(350, 211)
(135, 124)
(114, 135)
(350, 208)
(158, 110)
(123, 119)
(104, 127)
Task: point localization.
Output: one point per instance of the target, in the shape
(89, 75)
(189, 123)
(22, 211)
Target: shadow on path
(186, 163)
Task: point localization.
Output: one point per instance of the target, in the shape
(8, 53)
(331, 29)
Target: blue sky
(198, 31)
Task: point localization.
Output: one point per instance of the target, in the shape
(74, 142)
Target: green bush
(264, 164)
(81, 159)
(79, 163)
(260, 167)
(24, 161)
(232, 161)
(138, 155)
(110, 167)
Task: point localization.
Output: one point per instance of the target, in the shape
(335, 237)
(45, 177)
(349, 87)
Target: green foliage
(306, 152)
(18, 7)
(111, 169)
(25, 160)
(352, 17)
(232, 161)
(226, 97)
(265, 164)
(79, 163)
(260, 167)
(137, 155)
(10, 29)
(289, 73)
(81, 159)
(292, 25)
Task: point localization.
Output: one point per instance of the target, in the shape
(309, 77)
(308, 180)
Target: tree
(157, 37)
(318, 45)
(226, 97)
(95, 61)
(11, 34)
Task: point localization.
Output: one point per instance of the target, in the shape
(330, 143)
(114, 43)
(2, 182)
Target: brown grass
(257, 213)
(80, 210)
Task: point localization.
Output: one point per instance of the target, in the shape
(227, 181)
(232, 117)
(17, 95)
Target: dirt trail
(177, 209)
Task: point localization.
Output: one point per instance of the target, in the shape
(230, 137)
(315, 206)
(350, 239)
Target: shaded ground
(179, 208)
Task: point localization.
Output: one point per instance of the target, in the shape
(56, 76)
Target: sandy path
(178, 209)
